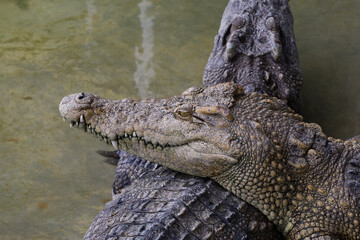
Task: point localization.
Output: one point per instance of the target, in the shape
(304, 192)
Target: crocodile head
(256, 48)
(191, 129)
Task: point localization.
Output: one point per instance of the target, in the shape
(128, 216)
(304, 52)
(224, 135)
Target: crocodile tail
(352, 171)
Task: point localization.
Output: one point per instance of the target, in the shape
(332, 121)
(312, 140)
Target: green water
(52, 184)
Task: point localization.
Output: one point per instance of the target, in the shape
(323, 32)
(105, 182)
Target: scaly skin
(251, 144)
(256, 48)
(162, 204)
(258, 67)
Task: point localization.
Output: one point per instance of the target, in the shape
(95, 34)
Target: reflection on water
(144, 66)
(91, 10)
(52, 184)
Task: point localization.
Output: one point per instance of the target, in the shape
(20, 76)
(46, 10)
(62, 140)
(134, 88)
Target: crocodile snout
(71, 105)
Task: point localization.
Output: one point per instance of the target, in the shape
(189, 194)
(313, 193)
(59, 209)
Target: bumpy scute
(265, 154)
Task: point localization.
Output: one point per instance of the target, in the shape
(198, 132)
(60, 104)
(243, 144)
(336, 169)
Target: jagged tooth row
(115, 143)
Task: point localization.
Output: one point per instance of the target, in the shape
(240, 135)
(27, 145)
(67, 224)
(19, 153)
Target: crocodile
(256, 48)
(253, 145)
(134, 176)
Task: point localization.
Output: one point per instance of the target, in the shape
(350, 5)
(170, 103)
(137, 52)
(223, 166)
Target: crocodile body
(163, 204)
(251, 144)
(132, 177)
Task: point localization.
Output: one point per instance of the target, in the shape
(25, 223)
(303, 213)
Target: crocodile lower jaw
(195, 157)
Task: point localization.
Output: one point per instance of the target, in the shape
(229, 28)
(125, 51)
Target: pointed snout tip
(72, 104)
(70, 101)
(63, 106)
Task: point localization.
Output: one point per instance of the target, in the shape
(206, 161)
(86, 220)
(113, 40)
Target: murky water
(52, 184)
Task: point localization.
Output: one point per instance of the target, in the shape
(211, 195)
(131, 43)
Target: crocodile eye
(271, 23)
(184, 112)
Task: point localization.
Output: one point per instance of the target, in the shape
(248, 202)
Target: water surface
(52, 184)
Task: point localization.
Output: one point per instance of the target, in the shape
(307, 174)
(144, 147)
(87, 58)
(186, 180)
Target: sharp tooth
(126, 135)
(281, 76)
(64, 119)
(276, 52)
(115, 144)
(71, 124)
(89, 126)
(82, 118)
(77, 124)
(134, 134)
(267, 75)
(273, 86)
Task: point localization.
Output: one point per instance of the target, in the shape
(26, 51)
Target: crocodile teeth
(71, 124)
(267, 76)
(273, 86)
(64, 119)
(126, 135)
(82, 118)
(281, 76)
(115, 144)
(134, 134)
(276, 52)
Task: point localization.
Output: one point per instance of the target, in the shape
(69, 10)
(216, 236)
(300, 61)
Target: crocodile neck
(287, 171)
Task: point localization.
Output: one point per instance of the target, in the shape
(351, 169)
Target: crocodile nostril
(81, 96)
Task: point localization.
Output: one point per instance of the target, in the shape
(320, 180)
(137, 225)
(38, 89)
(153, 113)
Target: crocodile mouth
(115, 139)
(141, 141)
(194, 156)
